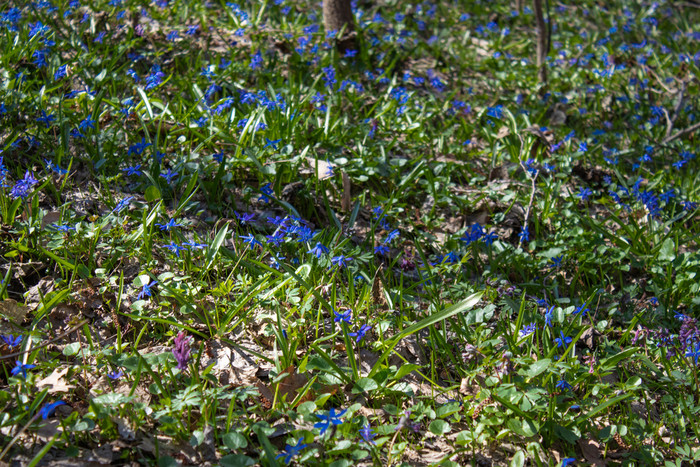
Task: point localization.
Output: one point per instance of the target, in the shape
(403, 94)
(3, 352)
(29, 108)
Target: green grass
(234, 244)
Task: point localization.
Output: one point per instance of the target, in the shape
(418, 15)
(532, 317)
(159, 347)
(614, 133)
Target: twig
(532, 199)
(679, 104)
(60, 336)
(19, 433)
(681, 133)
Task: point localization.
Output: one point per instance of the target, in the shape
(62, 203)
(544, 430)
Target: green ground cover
(226, 241)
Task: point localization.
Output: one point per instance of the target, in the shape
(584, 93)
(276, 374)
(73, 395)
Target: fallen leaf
(55, 381)
(591, 452)
(291, 384)
(324, 170)
(15, 312)
(378, 297)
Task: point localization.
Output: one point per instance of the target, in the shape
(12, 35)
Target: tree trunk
(337, 16)
(541, 43)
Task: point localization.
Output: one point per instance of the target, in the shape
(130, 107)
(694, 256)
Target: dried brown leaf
(56, 382)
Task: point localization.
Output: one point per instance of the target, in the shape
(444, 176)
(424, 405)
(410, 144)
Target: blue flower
(20, 368)
(291, 451)
(556, 261)
(272, 143)
(175, 248)
(562, 340)
(12, 341)
(133, 170)
(48, 409)
(168, 225)
(250, 240)
(584, 193)
(567, 461)
(381, 250)
(244, 217)
(146, 290)
(563, 385)
(527, 330)
(360, 334)
(23, 187)
(367, 434)
(327, 420)
(61, 72)
(524, 234)
(266, 193)
(123, 204)
(114, 375)
(548, 315)
(695, 353)
(343, 317)
(582, 309)
(341, 260)
(169, 175)
(318, 250)
(392, 235)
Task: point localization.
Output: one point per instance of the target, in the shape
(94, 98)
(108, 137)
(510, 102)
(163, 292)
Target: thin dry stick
(681, 133)
(60, 336)
(532, 199)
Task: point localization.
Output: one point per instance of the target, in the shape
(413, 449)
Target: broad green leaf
(234, 440)
(538, 367)
(236, 460)
(152, 194)
(365, 385)
(439, 427)
(518, 459)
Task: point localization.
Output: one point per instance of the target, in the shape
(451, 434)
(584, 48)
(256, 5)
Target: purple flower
(48, 409)
(181, 350)
(327, 420)
(360, 334)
